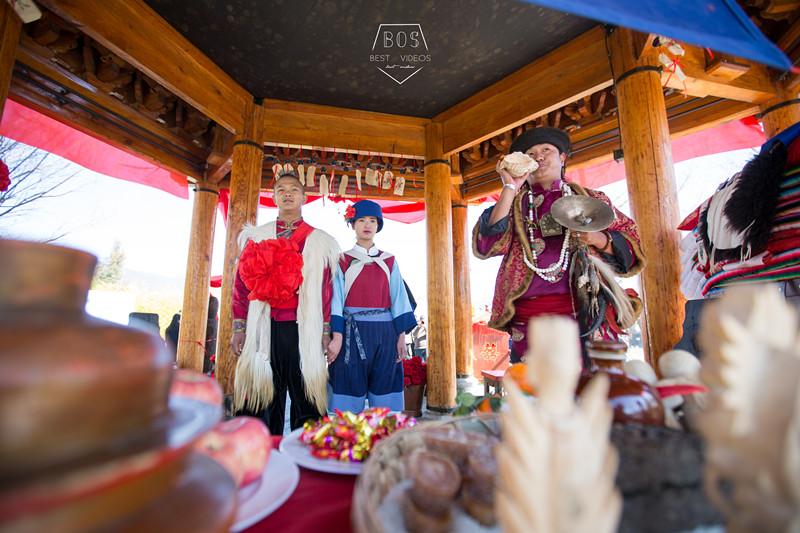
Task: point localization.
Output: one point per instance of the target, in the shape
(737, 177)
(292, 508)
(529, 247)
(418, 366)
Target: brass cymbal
(582, 213)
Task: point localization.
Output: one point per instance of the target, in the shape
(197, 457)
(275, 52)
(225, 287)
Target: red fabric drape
(35, 129)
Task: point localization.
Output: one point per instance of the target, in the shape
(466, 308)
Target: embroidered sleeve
(327, 297)
(402, 312)
(240, 301)
(490, 241)
(625, 238)
(337, 302)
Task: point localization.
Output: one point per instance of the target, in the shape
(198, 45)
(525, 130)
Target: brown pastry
(480, 510)
(450, 442)
(418, 520)
(435, 481)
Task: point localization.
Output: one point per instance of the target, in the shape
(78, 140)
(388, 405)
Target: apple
(196, 386)
(241, 445)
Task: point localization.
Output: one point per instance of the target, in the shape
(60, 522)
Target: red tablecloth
(321, 502)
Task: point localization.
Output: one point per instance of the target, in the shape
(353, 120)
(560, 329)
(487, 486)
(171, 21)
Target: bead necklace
(554, 272)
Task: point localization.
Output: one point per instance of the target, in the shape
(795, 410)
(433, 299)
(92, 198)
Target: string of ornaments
(555, 271)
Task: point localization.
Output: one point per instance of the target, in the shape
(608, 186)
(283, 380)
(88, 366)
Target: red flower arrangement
(272, 269)
(349, 213)
(415, 371)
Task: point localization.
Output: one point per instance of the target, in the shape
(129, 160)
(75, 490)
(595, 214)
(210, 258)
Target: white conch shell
(518, 164)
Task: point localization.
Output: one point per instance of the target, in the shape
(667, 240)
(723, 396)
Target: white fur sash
(253, 385)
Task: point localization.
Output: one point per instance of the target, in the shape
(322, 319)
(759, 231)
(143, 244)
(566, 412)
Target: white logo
(399, 51)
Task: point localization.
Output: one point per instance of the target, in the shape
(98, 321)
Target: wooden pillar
(246, 171)
(10, 27)
(441, 322)
(463, 298)
(194, 316)
(781, 112)
(651, 186)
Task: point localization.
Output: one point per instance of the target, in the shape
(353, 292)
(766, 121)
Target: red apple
(197, 386)
(241, 445)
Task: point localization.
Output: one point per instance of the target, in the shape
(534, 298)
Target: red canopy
(35, 129)
(734, 135)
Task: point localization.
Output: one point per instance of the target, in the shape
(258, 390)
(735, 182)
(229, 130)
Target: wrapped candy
(349, 437)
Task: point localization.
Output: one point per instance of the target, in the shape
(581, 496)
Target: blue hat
(366, 208)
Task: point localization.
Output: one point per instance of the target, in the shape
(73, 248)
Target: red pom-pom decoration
(5, 178)
(272, 270)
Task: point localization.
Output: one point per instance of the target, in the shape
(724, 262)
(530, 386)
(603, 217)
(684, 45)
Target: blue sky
(154, 227)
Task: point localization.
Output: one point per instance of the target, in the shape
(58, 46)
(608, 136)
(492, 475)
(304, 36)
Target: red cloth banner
(35, 129)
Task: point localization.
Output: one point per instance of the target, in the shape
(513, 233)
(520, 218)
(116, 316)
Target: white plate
(301, 454)
(263, 496)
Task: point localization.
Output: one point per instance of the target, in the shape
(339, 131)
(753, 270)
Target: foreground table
(321, 502)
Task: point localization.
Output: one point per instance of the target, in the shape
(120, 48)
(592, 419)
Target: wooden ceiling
(125, 75)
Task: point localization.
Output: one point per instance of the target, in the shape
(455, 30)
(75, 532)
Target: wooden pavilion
(220, 91)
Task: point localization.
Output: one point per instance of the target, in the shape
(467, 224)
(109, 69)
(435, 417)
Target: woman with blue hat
(370, 315)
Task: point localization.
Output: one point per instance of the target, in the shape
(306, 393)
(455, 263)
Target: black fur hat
(534, 136)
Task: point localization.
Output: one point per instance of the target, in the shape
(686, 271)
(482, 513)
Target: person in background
(370, 315)
(420, 336)
(211, 335)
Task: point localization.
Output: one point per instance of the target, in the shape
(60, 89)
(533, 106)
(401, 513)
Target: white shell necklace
(554, 272)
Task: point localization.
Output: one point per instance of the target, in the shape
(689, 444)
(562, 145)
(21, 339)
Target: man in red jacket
(281, 310)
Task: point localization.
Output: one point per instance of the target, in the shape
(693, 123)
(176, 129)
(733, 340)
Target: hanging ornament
(301, 173)
(387, 179)
(331, 183)
(310, 176)
(277, 170)
(358, 179)
(288, 168)
(323, 186)
(400, 186)
(371, 177)
(343, 184)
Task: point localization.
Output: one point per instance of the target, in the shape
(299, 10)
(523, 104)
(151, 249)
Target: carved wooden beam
(136, 33)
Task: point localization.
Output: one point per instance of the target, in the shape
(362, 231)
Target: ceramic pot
(412, 397)
(633, 400)
(72, 387)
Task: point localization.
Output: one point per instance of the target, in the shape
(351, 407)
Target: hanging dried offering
(301, 173)
(387, 179)
(323, 185)
(277, 170)
(358, 179)
(400, 186)
(343, 184)
(288, 168)
(310, 176)
(371, 177)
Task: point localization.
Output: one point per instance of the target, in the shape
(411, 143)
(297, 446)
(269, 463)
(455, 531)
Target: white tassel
(621, 301)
